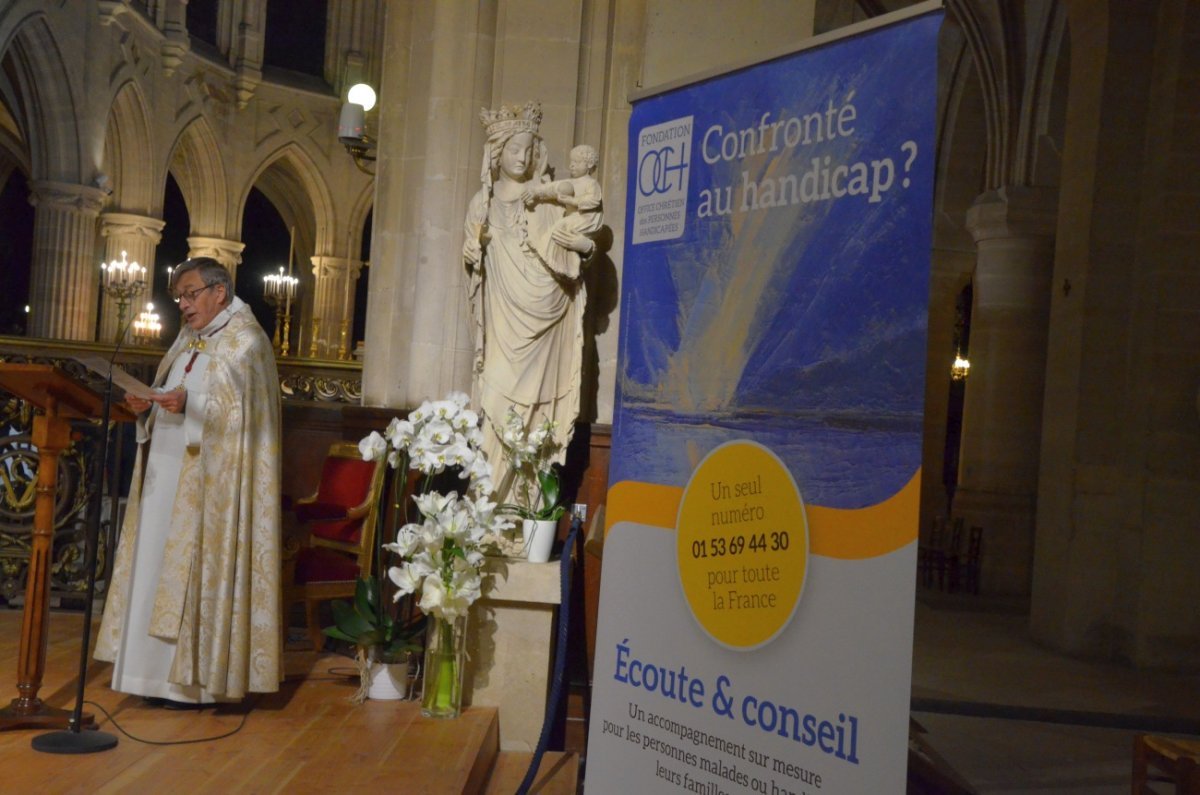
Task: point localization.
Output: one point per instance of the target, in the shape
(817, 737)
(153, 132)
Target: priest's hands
(136, 404)
(173, 401)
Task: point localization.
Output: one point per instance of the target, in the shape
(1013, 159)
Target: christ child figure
(581, 198)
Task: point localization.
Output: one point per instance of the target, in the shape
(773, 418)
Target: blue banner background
(802, 325)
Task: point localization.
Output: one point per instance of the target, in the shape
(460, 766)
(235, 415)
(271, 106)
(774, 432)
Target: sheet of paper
(120, 378)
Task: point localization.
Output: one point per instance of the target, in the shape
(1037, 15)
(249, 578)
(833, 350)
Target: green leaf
(548, 482)
(348, 620)
(337, 634)
(372, 638)
(366, 596)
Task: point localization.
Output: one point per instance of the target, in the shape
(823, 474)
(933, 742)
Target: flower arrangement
(440, 553)
(536, 485)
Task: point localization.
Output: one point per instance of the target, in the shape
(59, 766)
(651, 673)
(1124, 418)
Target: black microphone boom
(74, 740)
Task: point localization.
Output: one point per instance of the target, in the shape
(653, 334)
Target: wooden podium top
(43, 384)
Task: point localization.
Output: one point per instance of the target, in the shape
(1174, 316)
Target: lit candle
(291, 250)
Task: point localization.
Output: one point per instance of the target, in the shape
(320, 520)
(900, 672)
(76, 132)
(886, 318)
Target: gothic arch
(198, 167)
(126, 139)
(961, 141)
(358, 215)
(1015, 47)
(1049, 121)
(44, 109)
(286, 177)
(13, 155)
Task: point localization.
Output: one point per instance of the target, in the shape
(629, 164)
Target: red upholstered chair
(341, 519)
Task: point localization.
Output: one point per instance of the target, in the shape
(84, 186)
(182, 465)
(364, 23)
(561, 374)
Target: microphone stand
(74, 740)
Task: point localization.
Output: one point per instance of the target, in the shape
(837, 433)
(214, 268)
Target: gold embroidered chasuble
(218, 595)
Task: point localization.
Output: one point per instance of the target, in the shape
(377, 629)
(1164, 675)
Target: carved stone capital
(171, 53)
(245, 84)
(67, 197)
(1013, 212)
(332, 267)
(109, 10)
(226, 252)
(128, 225)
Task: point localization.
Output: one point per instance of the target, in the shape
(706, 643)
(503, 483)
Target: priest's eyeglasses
(190, 295)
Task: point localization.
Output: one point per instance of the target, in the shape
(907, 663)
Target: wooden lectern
(60, 399)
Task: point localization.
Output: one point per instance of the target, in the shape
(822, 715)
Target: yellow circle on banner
(742, 545)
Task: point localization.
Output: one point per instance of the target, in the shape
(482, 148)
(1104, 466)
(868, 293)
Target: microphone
(74, 740)
(93, 531)
(112, 360)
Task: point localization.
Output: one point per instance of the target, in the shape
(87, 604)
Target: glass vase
(441, 690)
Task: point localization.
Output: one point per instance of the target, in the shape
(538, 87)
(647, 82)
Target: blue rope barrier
(565, 568)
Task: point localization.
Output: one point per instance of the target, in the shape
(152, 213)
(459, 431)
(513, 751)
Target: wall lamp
(352, 126)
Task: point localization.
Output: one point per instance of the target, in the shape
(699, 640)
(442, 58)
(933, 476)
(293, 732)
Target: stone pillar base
(509, 646)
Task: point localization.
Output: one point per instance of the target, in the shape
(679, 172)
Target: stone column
(419, 344)
(334, 280)
(138, 237)
(65, 281)
(226, 252)
(247, 52)
(172, 20)
(1013, 229)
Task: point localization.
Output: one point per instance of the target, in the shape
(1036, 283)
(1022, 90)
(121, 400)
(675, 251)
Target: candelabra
(313, 339)
(962, 311)
(146, 327)
(122, 281)
(280, 290)
(344, 340)
(961, 367)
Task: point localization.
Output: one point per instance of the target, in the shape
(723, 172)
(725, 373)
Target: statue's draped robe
(528, 321)
(200, 621)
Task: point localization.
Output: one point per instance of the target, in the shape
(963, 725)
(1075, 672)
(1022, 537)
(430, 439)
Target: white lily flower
(433, 503)
(405, 580)
(420, 413)
(441, 555)
(438, 431)
(433, 595)
(458, 452)
(400, 433)
(444, 409)
(373, 446)
(406, 541)
(465, 419)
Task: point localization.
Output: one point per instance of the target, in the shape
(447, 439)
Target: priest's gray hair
(211, 272)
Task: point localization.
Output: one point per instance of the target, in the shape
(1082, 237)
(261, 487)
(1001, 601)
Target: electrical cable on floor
(119, 728)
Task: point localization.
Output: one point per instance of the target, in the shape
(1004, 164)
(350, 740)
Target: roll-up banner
(756, 607)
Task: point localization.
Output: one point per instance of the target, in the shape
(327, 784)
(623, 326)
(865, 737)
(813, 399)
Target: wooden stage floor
(306, 738)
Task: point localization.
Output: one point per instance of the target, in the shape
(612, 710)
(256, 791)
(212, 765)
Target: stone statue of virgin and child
(528, 239)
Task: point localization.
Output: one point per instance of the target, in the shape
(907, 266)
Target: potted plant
(382, 641)
(438, 555)
(536, 483)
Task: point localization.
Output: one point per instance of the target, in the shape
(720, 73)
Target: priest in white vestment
(192, 613)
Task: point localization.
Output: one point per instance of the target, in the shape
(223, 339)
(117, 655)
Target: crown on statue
(512, 118)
